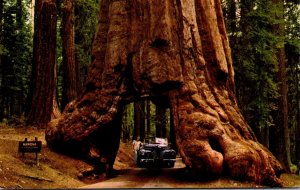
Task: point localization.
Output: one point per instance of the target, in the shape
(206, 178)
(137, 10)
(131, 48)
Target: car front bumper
(157, 162)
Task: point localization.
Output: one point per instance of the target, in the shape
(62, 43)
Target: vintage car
(155, 154)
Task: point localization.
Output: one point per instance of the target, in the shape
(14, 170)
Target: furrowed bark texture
(177, 54)
(44, 60)
(70, 67)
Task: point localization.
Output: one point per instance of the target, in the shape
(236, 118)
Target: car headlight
(142, 152)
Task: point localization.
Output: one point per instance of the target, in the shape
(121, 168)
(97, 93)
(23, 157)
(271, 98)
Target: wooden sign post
(30, 147)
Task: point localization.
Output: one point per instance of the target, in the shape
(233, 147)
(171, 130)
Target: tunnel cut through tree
(154, 121)
(176, 52)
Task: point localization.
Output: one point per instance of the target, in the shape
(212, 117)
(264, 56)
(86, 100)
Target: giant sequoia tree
(42, 99)
(175, 53)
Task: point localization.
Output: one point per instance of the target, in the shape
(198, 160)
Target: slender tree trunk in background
(1, 107)
(282, 132)
(148, 118)
(158, 125)
(4, 87)
(1, 65)
(241, 90)
(293, 59)
(243, 41)
(70, 67)
(55, 110)
(137, 120)
(282, 128)
(6, 104)
(172, 133)
(11, 105)
(298, 116)
(232, 18)
(19, 13)
(125, 131)
(161, 121)
(176, 51)
(142, 120)
(44, 58)
(2, 95)
(266, 139)
(20, 99)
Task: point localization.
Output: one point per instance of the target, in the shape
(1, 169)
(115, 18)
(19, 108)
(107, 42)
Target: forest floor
(59, 171)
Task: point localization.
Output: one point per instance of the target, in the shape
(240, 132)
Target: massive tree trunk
(44, 60)
(177, 54)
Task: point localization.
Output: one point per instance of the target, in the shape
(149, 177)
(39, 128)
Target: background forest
(265, 45)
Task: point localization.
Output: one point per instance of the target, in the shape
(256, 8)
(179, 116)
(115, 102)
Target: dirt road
(162, 178)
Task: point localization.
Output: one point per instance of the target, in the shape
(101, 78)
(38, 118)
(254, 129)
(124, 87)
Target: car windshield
(156, 140)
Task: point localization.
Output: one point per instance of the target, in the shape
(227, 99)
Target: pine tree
(257, 69)
(15, 37)
(253, 48)
(292, 47)
(86, 13)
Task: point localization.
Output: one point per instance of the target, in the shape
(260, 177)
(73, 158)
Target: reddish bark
(44, 60)
(175, 53)
(70, 67)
